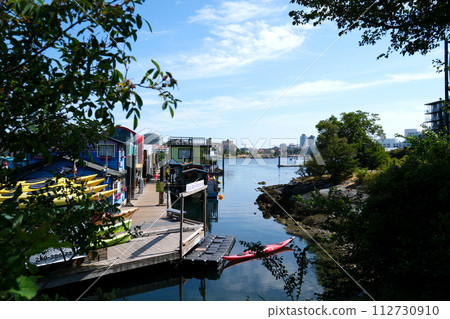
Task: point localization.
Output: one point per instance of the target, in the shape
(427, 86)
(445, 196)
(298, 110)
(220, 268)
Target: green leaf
(139, 21)
(157, 65)
(164, 106)
(27, 287)
(17, 221)
(116, 75)
(135, 124)
(149, 26)
(171, 111)
(138, 100)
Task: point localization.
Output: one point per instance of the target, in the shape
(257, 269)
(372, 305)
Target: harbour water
(237, 214)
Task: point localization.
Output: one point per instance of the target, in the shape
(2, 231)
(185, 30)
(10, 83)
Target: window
(184, 153)
(103, 149)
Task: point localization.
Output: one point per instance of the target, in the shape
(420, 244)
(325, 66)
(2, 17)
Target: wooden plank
(186, 194)
(160, 245)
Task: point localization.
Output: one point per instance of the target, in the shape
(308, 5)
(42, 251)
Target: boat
(63, 200)
(268, 249)
(125, 214)
(88, 181)
(236, 262)
(6, 196)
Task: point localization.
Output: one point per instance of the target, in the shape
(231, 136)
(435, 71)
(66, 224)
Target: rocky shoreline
(277, 201)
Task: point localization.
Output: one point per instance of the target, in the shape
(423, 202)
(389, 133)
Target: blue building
(106, 159)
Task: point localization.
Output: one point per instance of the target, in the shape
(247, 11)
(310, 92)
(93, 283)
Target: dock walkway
(159, 243)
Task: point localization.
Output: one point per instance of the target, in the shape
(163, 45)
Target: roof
(100, 168)
(194, 170)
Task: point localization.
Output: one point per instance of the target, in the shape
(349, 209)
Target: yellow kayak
(62, 180)
(30, 187)
(64, 200)
(97, 188)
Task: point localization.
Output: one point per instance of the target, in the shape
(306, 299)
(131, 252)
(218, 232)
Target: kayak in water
(268, 249)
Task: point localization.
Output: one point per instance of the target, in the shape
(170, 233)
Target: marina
(235, 216)
(159, 242)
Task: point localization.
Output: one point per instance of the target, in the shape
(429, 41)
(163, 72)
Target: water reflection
(274, 263)
(292, 278)
(194, 210)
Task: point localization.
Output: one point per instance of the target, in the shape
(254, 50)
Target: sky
(245, 73)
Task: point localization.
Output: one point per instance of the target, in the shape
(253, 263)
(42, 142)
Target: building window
(103, 149)
(184, 153)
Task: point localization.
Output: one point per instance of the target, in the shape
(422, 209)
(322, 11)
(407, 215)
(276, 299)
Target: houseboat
(191, 161)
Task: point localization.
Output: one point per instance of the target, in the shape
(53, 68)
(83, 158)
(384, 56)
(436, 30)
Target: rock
(277, 201)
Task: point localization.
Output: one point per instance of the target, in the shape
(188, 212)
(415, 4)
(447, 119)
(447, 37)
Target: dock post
(181, 226)
(223, 162)
(205, 197)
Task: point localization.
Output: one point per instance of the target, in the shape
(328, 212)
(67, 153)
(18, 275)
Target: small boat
(239, 261)
(268, 249)
(94, 189)
(125, 214)
(63, 200)
(52, 183)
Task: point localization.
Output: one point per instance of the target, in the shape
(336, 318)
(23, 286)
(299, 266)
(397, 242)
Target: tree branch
(48, 45)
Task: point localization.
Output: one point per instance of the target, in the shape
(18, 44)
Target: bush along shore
(290, 204)
(307, 206)
(388, 229)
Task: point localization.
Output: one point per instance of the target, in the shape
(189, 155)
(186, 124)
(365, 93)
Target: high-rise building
(435, 116)
(303, 140)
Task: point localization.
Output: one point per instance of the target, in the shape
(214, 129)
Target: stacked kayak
(60, 196)
(267, 250)
(36, 185)
(64, 191)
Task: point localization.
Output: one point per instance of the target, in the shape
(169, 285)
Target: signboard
(195, 185)
(52, 256)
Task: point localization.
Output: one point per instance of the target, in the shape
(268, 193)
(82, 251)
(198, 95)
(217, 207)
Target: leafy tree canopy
(408, 205)
(63, 70)
(412, 25)
(348, 142)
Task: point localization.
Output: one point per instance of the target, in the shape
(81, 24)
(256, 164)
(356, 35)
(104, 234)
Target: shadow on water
(289, 275)
(168, 281)
(274, 263)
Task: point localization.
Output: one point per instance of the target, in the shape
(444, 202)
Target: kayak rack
(210, 251)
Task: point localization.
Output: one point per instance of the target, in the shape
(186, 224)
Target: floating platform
(290, 165)
(210, 252)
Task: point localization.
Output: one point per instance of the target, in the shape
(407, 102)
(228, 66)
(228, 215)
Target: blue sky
(246, 73)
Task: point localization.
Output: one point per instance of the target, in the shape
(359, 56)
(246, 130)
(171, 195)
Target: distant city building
(303, 140)
(229, 146)
(435, 115)
(412, 132)
(391, 143)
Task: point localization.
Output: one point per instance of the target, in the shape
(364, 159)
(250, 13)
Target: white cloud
(328, 86)
(241, 33)
(235, 45)
(235, 12)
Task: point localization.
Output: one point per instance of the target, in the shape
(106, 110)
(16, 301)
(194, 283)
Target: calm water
(238, 215)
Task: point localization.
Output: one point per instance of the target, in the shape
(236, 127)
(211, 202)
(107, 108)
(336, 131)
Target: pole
(181, 227)
(223, 161)
(205, 199)
(161, 179)
(133, 176)
(446, 58)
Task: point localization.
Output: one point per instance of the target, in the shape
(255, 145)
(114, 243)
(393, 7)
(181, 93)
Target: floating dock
(159, 243)
(210, 252)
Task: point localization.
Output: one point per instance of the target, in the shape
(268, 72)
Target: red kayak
(252, 254)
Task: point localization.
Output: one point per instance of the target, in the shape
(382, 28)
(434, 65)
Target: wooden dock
(159, 243)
